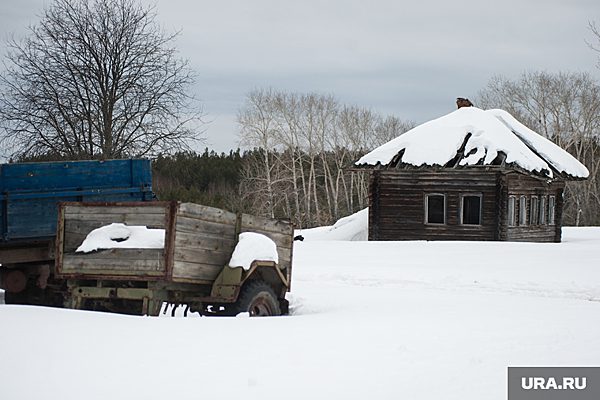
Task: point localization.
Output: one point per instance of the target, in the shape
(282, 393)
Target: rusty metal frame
(264, 264)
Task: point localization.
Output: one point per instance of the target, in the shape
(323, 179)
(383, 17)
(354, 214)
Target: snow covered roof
(471, 136)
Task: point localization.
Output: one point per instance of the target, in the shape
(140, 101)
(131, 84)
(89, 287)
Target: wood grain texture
(202, 240)
(397, 204)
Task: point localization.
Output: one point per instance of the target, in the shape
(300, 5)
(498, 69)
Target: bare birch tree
(307, 145)
(564, 108)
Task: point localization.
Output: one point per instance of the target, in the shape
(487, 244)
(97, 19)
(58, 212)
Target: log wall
(521, 185)
(397, 205)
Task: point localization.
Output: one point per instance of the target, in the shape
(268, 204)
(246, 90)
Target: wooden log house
(469, 175)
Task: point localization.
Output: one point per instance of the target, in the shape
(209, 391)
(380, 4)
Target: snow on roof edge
(492, 131)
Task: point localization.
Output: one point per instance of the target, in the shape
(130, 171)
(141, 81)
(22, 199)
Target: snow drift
(354, 227)
(379, 320)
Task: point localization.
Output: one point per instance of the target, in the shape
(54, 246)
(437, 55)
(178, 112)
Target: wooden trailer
(190, 270)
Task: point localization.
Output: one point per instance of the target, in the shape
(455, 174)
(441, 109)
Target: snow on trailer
(191, 269)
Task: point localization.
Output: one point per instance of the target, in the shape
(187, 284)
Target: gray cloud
(408, 59)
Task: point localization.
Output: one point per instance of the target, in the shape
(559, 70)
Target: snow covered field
(370, 320)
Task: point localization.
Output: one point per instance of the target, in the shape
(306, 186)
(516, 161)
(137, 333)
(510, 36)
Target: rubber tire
(258, 299)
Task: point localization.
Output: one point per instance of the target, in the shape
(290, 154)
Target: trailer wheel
(258, 299)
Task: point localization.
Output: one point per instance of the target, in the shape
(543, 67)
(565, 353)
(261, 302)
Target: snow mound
(117, 235)
(253, 246)
(354, 227)
(491, 131)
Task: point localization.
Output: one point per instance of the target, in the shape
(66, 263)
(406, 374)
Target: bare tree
(306, 145)
(595, 43)
(96, 79)
(564, 108)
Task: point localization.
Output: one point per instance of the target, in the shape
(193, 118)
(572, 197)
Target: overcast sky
(409, 59)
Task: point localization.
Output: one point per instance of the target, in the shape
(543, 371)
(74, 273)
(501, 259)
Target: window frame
(511, 213)
(552, 210)
(522, 210)
(426, 203)
(462, 205)
(534, 213)
(542, 210)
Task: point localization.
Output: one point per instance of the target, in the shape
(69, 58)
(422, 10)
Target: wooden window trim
(512, 221)
(426, 204)
(460, 212)
(534, 215)
(523, 210)
(542, 210)
(552, 200)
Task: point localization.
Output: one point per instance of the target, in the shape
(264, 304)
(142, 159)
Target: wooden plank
(121, 254)
(201, 256)
(122, 262)
(281, 240)
(200, 241)
(81, 226)
(72, 241)
(206, 213)
(285, 257)
(188, 271)
(150, 220)
(194, 225)
(252, 223)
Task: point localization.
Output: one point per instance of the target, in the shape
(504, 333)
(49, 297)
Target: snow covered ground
(376, 320)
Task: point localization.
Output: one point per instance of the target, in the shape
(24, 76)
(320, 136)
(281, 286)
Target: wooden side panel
(116, 263)
(204, 240)
(399, 199)
(78, 220)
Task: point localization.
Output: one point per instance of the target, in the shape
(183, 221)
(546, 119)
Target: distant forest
(207, 178)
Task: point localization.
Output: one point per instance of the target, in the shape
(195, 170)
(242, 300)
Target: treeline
(207, 178)
(299, 168)
(305, 146)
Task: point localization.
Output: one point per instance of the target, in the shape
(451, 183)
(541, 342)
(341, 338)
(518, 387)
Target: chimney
(460, 102)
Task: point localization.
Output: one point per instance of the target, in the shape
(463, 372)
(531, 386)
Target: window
(533, 215)
(551, 205)
(435, 208)
(542, 210)
(512, 218)
(471, 209)
(523, 210)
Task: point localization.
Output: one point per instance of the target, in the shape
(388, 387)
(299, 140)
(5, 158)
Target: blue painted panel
(30, 191)
(74, 175)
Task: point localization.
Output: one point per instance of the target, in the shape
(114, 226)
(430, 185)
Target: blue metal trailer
(29, 197)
